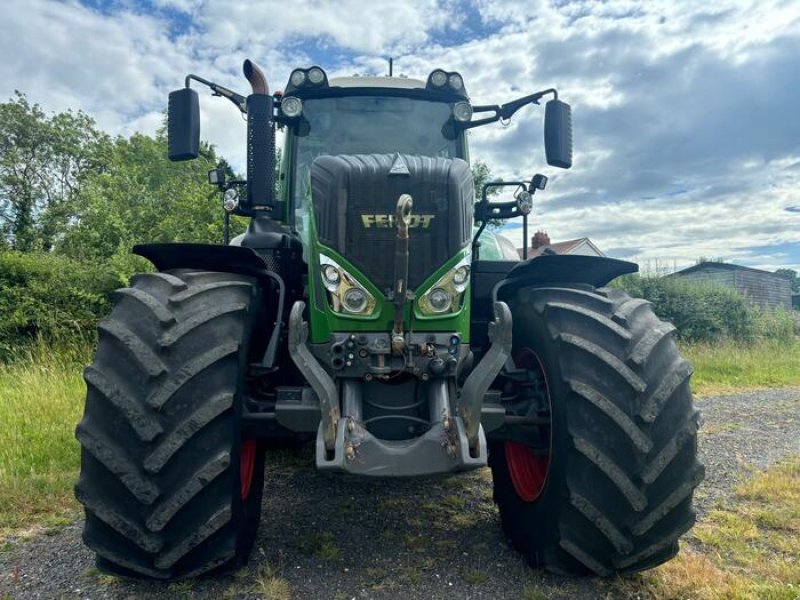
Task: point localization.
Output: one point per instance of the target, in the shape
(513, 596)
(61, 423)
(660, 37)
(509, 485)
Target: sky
(686, 114)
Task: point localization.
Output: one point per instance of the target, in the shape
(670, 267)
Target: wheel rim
(247, 463)
(528, 470)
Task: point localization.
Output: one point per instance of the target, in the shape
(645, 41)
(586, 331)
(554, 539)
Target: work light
(462, 111)
(292, 106)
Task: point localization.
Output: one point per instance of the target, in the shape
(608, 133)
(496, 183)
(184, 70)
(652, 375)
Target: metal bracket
(472, 392)
(441, 449)
(317, 377)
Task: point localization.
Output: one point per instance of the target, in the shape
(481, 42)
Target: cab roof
(404, 83)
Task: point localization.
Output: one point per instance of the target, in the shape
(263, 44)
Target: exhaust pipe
(260, 142)
(256, 77)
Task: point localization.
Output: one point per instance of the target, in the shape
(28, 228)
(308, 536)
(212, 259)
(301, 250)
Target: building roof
(721, 266)
(560, 247)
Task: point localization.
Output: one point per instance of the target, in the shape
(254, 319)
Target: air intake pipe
(260, 142)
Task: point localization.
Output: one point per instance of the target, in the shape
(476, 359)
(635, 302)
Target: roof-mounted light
(444, 81)
(316, 75)
(297, 78)
(306, 79)
(438, 78)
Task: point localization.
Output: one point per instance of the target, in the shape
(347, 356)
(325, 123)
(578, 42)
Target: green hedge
(707, 311)
(51, 297)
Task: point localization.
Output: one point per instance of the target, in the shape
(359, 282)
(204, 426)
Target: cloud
(686, 139)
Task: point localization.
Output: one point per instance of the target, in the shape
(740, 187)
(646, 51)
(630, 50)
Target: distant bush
(51, 297)
(708, 311)
(776, 324)
(699, 310)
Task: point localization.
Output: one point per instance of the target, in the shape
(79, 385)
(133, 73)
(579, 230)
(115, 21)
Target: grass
(269, 585)
(747, 549)
(41, 399)
(321, 545)
(729, 366)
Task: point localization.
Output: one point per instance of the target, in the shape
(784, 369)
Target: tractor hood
(354, 199)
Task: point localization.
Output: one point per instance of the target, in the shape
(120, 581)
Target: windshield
(367, 125)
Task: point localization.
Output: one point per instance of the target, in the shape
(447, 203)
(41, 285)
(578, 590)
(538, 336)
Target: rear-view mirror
(183, 125)
(558, 134)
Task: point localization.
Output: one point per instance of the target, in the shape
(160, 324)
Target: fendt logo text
(421, 221)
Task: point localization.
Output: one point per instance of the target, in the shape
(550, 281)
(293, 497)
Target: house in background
(760, 288)
(541, 244)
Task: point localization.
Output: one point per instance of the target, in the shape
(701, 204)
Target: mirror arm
(506, 111)
(239, 100)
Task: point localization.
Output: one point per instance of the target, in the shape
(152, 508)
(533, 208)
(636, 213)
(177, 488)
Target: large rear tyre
(611, 492)
(170, 487)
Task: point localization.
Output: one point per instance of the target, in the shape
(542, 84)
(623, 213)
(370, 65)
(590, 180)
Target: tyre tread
(630, 443)
(162, 499)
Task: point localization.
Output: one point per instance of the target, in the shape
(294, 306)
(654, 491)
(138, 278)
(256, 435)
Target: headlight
(462, 111)
(291, 106)
(230, 200)
(345, 294)
(331, 277)
(461, 277)
(297, 78)
(456, 82)
(439, 300)
(355, 300)
(445, 296)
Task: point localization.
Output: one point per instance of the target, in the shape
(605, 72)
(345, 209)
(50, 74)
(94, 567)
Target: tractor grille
(355, 198)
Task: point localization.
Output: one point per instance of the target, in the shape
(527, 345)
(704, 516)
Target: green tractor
(363, 312)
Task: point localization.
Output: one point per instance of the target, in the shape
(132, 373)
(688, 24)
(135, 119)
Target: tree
(43, 162)
(792, 276)
(142, 197)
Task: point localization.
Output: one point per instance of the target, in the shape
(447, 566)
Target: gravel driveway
(326, 537)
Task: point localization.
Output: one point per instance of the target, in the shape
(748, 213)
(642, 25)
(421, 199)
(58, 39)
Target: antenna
(390, 66)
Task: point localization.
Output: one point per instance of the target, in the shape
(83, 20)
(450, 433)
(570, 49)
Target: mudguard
(228, 259)
(211, 257)
(553, 269)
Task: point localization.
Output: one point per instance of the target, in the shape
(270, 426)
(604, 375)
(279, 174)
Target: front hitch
(402, 220)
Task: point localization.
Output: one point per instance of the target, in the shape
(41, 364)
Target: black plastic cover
(354, 199)
(183, 125)
(558, 134)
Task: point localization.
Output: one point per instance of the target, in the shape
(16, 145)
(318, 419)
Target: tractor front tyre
(613, 493)
(170, 486)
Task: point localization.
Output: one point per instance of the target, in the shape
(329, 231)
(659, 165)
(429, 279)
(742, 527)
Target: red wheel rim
(247, 463)
(528, 471)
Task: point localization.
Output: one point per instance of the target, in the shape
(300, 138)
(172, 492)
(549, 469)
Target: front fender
(554, 269)
(210, 257)
(226, 259)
